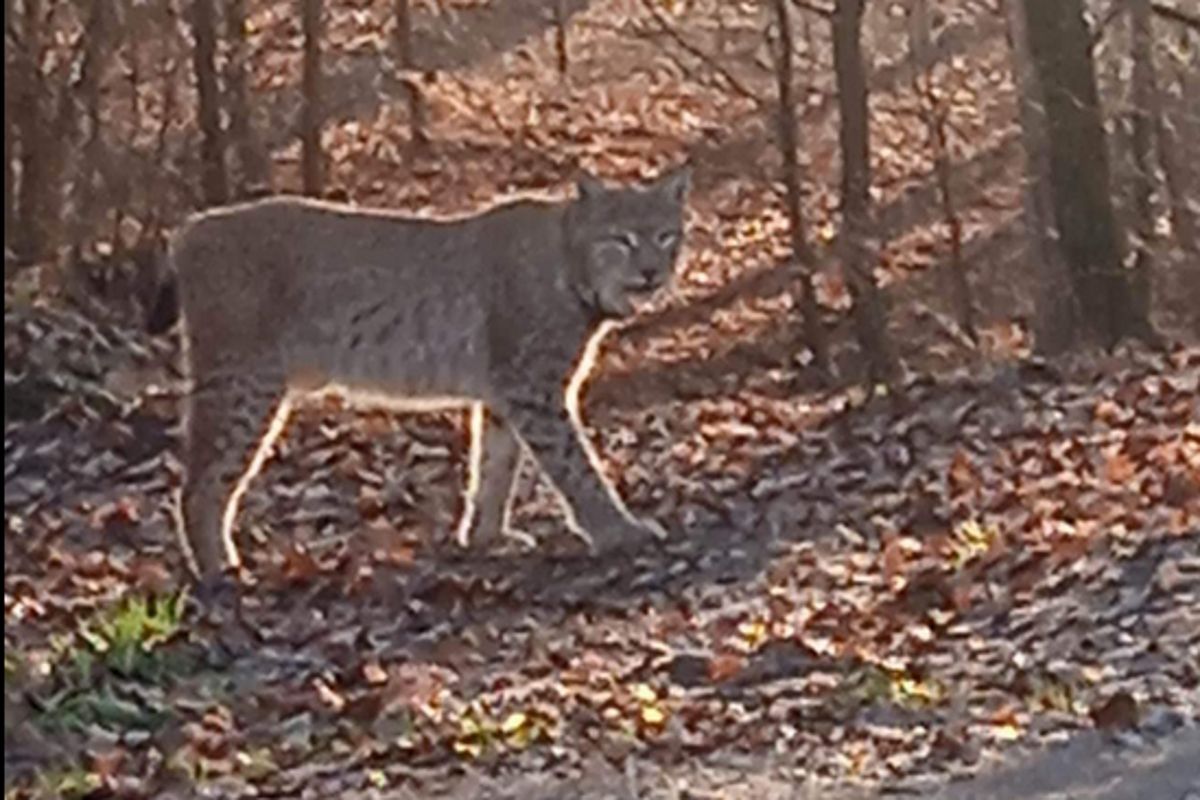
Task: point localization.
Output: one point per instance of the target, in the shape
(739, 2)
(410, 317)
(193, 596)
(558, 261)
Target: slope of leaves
(866, 588)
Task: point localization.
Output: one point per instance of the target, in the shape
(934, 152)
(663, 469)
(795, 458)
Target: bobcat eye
(611, 252)
(666, 239)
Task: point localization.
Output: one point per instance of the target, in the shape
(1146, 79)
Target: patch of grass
(109, 673)
(126, 639)
(107, 705)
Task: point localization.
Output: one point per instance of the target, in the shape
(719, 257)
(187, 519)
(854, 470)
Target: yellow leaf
(513, 722)
(753, 632)
(1006, 733)
(468, 748)
(644, 693)
(653, 715)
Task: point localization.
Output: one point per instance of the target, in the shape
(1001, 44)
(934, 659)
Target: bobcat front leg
(495, 460)
(594, 511)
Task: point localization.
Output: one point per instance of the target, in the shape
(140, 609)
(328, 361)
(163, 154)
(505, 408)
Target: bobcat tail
(162, 305)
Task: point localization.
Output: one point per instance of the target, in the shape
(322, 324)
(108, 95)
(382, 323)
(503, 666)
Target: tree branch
(819, 10)
(666, 27)
(1170, 12)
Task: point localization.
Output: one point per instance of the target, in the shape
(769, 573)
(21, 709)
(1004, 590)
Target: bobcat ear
(675, 184)
(589, 187)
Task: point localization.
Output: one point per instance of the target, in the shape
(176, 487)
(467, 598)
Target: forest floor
(865, 592)
(861, 591)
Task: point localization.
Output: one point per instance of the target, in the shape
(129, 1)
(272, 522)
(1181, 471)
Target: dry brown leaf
(298, 565)
(1120, 711)
(962, 472)
(724, 666)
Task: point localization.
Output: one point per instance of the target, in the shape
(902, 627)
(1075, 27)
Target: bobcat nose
(650, 277)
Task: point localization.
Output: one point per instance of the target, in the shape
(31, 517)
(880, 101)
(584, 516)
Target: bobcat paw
(217, 592)
(620, 533)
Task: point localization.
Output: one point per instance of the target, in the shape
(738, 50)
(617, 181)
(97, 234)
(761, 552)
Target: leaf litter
(862, 587)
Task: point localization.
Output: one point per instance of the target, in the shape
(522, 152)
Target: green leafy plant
(126, 638)
(106, 673)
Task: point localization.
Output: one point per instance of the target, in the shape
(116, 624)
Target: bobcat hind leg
(230, 426)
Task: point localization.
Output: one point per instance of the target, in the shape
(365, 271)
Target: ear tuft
(675, 184)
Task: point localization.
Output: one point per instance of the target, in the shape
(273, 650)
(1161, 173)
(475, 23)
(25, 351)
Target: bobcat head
(623, 243)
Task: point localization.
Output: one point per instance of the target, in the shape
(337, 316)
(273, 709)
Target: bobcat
(501, 312)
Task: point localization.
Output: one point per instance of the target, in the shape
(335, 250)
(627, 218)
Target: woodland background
(923, 408)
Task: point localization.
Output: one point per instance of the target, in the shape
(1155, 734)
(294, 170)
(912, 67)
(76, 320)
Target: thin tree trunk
(10, 135)
(560, 37)
(787, 127)
(870, 309)
(213, 181)
(1090, 237)
(1175, 179)
(312, 158)
(133, 77)
(31, 123)
(934, 115)
(406, 61)
(1142, 141)
(96, 45)
(1177, 172)
(252, 175)
(1056, 318)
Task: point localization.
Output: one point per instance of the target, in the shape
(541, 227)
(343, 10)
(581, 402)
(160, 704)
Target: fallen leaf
(1119, 711)
(724, 666)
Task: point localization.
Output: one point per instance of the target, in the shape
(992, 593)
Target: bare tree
(312, 159)
(10, 130)
(252, 174)
(1142, 149)
(213, 182)
(168, 70)
(96, 47)
(1060, 45)
(787, 132)
(560, 37)
(1176, 171)
(33, 135)
(933, 112)
(406, 62)
(870, 310)
(1057, 316)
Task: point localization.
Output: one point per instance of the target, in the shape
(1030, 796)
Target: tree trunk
(213, 182)
(167, 74)
(1143, 153)
(858, 232)
(406, 61)
(1176, 172)
(1089, 235)
(31, 123)
(1057, 317)
(787, 127)
(10, 134)
(252, 175)
(312, 159)
(560, 37)
(933, 112)
(96, 47)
